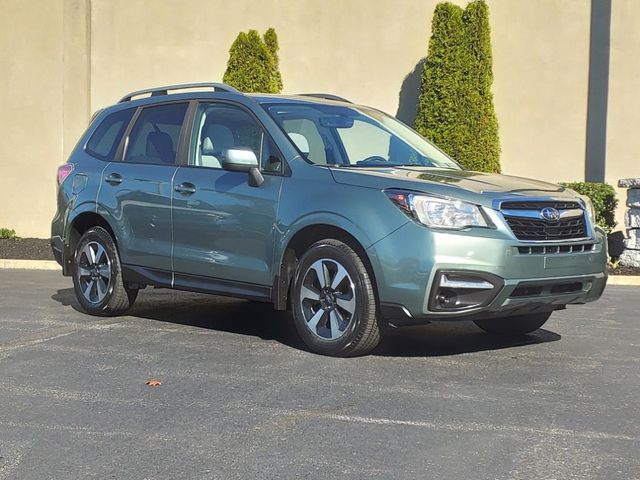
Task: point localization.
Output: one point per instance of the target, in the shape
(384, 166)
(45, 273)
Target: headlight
(437, 212)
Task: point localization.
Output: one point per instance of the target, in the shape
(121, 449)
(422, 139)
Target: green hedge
(455, 108)
(6, 233)
(603, 197)
(253, 63)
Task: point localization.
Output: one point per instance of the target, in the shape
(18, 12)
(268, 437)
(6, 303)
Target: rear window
(106, 138)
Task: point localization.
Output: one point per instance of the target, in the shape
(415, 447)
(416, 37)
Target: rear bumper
(409, 263)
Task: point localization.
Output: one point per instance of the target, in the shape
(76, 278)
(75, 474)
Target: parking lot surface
(239, 398)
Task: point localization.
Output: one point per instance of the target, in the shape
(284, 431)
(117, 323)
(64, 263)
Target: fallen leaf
(154, 383)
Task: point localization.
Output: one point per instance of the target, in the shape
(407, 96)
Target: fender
(287, 261)
(320, 218)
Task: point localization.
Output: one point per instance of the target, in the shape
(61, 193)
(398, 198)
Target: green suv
(335, 211)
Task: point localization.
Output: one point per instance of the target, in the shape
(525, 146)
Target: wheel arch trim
(286, 257)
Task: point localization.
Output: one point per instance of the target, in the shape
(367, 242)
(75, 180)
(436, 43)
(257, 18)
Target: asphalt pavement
(240, 399)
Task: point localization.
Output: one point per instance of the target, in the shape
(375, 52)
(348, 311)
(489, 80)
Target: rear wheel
(333, 300)
(518, 325)
(97, 275)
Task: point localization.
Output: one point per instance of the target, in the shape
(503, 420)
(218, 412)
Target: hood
(477, 187)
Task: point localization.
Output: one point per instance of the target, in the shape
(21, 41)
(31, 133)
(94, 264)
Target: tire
(336, 319)
(97, 275)
(513, 326)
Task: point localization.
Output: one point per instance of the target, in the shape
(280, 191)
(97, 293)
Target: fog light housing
(455, 291)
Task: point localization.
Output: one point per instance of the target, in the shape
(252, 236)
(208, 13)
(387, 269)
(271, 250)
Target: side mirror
(243, 160)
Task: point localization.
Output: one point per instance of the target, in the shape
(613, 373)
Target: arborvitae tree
(484, 147)
(271, 41)
(455, 108)
(251, 65)
(438, 117)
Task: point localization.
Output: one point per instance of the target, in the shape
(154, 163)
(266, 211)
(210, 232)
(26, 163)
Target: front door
(224, 229)
(137, 190)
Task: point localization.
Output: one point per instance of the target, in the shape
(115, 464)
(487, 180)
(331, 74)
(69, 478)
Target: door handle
(113, 179)
(186, 188)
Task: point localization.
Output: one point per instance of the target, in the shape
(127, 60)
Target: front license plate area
(566, 261)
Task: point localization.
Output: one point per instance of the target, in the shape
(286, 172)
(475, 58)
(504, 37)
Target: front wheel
(333, 300)
(514, 326)
(97, 275)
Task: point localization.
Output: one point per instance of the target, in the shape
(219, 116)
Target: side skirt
(193, 283)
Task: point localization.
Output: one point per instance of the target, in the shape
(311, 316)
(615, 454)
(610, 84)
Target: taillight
(64, 171)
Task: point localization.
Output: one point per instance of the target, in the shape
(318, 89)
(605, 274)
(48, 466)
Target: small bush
(5, 233)
(253, 63)
(603, 197)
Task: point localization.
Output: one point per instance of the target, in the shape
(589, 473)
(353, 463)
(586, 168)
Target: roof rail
(217, 87)
(326, 96)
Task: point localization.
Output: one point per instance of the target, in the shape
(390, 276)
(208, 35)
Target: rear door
(136, 190)
(223, 228)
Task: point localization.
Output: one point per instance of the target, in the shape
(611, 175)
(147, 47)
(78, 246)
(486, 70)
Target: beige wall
(31, 86)
(82, 55)
(623, 122)
(541, 69)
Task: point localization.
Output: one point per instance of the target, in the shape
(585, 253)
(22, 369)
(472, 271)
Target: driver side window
(219, 127)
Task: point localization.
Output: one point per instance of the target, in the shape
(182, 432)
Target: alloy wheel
(327, 299)
(94, 272)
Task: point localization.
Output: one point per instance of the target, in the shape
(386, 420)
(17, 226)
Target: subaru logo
(550, 214)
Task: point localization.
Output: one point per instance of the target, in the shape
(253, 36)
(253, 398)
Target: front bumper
(408, 265)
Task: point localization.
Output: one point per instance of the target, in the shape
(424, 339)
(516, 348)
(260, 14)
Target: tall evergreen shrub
(438, 117)
(252, 66)
(271, 41)
(455, 108)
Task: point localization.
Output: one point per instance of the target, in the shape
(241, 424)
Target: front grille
(528, 229)
(553, 249)
(566, 287)
(547, 289)
(526, 291)
(523, 221)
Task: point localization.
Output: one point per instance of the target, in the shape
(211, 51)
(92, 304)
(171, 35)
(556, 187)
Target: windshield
(355, 136)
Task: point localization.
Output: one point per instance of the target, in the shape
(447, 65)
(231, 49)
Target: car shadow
(261, 320)
(453, 338)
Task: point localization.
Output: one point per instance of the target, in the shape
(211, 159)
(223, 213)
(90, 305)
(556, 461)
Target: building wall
(623, 119)
(83, 55)
(31, 99)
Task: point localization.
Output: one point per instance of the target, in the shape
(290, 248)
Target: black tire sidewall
(101, 236)
(365, 305)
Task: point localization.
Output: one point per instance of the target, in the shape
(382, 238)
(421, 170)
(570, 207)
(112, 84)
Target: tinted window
(155, 136)
(219, 127)
(106, 138)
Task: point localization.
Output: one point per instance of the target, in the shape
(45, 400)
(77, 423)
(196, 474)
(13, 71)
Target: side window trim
(124, 143)
(125, 133)
(189, 138)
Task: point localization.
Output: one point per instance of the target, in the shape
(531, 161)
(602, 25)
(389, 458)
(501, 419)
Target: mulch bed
(26, 249)
(40, 249)
(620, 270)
